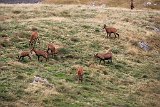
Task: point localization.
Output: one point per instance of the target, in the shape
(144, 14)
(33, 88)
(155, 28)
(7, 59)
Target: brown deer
(51, 47)
(80, 74)
(24, 54)
(104, 56)
(110, 30)
(39, 53)
(34, 37)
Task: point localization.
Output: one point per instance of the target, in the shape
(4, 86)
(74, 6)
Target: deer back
(24, 53)
(111, 30)
(34, 35)
(107, 55)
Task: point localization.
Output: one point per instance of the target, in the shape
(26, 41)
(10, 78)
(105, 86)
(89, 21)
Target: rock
(38, 79)
(144, 46)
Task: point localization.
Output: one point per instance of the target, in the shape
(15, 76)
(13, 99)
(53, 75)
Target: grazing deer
(51, 48)
(24, 54)
(110, 30)
(104, 56)
(34, 37)
(39, 53)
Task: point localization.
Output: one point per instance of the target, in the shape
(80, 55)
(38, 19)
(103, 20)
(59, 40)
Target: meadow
(132, 80)
(139, 4)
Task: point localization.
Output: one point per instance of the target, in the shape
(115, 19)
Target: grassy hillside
(113, 3)
(132, 80)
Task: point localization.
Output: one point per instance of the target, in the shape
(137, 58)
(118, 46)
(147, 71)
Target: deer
(39, 53)
(110, 30)
(80, 74)
(34, 37)
(104, 56)
(51, 47)
(24, 54)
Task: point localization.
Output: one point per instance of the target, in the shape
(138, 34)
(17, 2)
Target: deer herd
(51, 50)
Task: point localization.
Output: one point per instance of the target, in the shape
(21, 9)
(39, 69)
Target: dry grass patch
(41, 88)
(17, 64)
(147, 90)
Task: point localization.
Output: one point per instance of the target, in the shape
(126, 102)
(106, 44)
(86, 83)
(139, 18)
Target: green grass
(132, 80)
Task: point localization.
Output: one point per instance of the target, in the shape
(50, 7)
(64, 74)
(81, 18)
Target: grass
(132, 80)
(116, 3)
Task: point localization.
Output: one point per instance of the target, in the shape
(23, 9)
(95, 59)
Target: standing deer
(110, 30)
(51, 47)
(39, 53)
(80, 74)
(24, 54)
(34, 37)
(104, 56)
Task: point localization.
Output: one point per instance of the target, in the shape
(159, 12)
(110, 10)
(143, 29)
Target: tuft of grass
(115, 50)
(16, 11)
(7, 97)
(95, 45)
(75, 39)
(63, 51)
(65, 14)
(5, 43)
